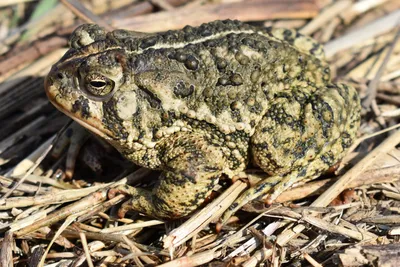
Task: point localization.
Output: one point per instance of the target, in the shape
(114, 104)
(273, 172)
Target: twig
(82, 12)
(131, 226)
(31, 169)
(371, 92)
(338, 229)
(382, 175)
(84, 204)
(311, 260)
(325, 16)
(86, 249)
(6, 254)
(359, 36)
(354, 172)
(194, 260)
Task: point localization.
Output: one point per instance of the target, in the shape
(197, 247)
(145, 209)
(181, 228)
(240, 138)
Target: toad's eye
(98, 85)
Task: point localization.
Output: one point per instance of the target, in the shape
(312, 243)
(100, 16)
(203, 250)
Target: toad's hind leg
(301, 137)
(192, 167)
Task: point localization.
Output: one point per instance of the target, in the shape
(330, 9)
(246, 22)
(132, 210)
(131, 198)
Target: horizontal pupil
(97, 83)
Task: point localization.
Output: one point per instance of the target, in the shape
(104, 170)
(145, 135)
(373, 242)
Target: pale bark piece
(254, 10)
(383, 256)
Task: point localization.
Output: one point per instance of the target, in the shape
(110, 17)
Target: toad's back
(224, 73)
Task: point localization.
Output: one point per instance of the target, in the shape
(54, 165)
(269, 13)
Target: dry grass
(46, 217)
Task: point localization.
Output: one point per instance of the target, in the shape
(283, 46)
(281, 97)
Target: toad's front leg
(192, 166)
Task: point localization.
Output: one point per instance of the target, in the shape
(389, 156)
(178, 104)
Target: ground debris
(54, 207)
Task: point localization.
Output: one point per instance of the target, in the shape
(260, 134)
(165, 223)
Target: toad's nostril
(60, 75)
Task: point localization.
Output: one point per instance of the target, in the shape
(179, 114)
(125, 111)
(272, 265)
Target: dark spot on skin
(264, 185)
(191, 63)
(148, 42)
(320, 108)
(141, 134)
(301, 148)
(160, 205)
(145, 158)
(287, 33)
(208, 168)
(302, 173)
(248, 42)
(346, 91)
(189, 37)
(172, 55)
(82, 105)
(111, 120)
(205, 31)
(210, 43)
(315, 48)
(256, 108)
(355, 98)
(263, 146)
(346, 140)
(221, 63)
(153, 100)
(168, 36)
(182, 90)
(328, 159)
(198, 198)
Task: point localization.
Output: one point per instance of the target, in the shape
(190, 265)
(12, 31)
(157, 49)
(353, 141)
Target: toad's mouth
(93, 124)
